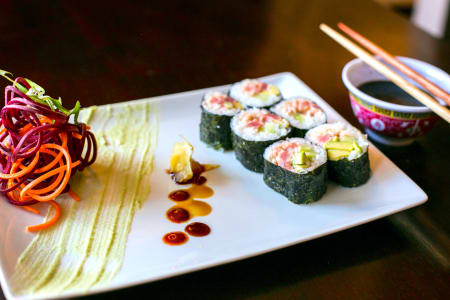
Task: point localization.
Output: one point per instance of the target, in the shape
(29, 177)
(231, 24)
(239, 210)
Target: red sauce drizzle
(175, 238)
(197, 170)
(178, 215)
(179, 195)
(197, 229)
(198, 180)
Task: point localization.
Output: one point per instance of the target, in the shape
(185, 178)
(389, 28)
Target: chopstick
(431, 87)
(424, 98)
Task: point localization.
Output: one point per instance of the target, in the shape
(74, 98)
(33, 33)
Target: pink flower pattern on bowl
(388, 122)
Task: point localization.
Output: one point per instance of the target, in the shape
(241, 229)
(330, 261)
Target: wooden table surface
(122, 50)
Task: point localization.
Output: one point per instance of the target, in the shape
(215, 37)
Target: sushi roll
(255, 93)
(217, 111)
(346, 146)
(252, 131)
(297, 169)
(302, 114)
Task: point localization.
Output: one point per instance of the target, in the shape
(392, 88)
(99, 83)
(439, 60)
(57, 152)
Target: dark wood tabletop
(113, 51)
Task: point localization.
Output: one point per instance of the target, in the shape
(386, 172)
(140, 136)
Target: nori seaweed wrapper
(298, 188)
(250, 153)
(297, 132)
(262, 107)
(350, 173)
(215, 130)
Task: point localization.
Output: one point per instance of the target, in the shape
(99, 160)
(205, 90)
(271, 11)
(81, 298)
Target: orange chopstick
(431, 87)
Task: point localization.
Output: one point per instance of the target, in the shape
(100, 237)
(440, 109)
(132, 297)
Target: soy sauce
(175, 238)
(388, 92)
(197, 229)
(178, 215)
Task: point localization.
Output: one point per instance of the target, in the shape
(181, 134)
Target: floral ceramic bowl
(389, 123)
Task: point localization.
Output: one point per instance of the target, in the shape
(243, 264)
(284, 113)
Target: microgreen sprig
(37, 93)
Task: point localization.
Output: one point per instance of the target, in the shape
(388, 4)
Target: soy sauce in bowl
(389, 92)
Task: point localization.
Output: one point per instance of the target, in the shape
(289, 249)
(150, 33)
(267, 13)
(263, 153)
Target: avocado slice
(336, 154)
(264, 95)
(347, 138)
(269, 127)
(309, 152)
(273, 90)
(300, 160)
(299, 117)
(339, 145)
(228, 105)
(356, 146)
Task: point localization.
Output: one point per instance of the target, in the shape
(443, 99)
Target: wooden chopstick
(424, 98)
(431, 87)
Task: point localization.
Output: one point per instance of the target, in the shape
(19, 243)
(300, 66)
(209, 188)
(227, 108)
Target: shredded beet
(29, 122)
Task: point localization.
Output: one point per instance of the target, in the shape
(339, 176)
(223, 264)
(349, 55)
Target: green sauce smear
(86, 247)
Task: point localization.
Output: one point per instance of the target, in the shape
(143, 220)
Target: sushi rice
(259, 125)
(255, 93)
(301, 113)
(220, 103)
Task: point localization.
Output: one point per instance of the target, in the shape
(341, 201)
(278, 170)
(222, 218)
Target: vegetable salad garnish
(40, 149)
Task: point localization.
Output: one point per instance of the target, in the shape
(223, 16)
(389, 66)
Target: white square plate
(247, 218)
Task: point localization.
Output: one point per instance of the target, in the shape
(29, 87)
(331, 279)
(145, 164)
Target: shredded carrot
(24, 171)
(45, 120)
(11, 182)
(74, 195)
(31, 209)
(66, 178)
(25, 129)
(50, 222)
(63, 171)
(76, 135)
(53, 185)
(38, 180)
(63, 137)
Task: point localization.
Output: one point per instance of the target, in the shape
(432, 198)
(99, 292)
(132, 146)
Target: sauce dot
(175, 238)
(199, 180)
(197, 229)
(178, 215)
(179, 195)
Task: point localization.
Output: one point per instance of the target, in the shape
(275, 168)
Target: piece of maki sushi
(297, 169)
(255, 93)
(302, 114)
(346, 146)
(217, 110)
(252, 131)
